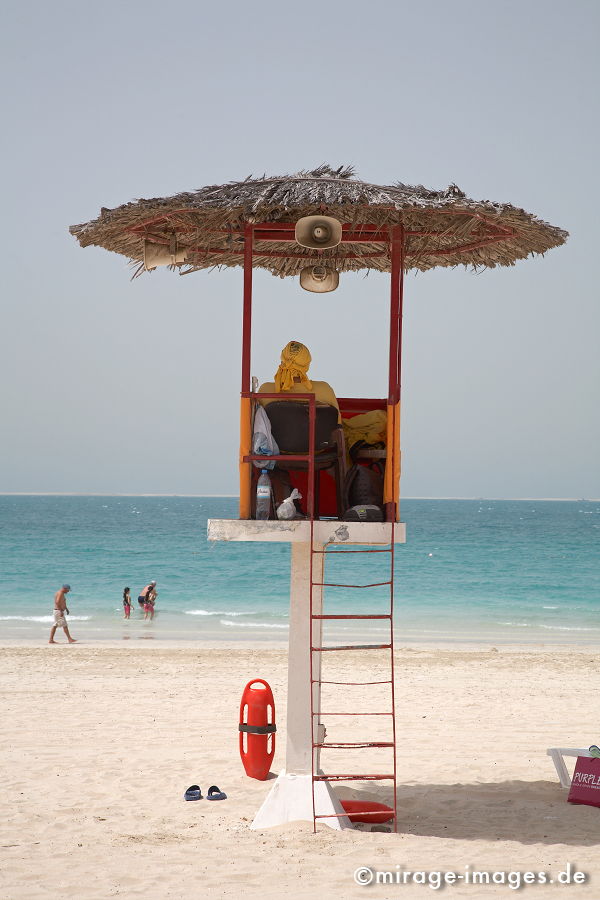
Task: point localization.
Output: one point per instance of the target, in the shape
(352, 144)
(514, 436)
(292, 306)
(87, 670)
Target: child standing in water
(126, 603)
(149, 605)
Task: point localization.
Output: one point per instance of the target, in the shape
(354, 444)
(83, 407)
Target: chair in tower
(290, 427)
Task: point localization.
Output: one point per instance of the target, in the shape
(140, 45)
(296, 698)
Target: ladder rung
(353, 777)
(333, 552)
(352, 683)
(323, 714)
(330, 584)
(386, 616)
(352, 647)
(357, 745)
(363, 812)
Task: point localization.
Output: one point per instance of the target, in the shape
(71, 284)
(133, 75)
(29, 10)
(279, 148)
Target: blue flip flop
(193, 793)
(213, 793)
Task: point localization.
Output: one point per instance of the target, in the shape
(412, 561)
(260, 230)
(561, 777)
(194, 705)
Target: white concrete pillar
(290, 798)
(298, 748)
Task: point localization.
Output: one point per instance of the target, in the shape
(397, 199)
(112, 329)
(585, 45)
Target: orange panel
(245, 449)
(391, 491)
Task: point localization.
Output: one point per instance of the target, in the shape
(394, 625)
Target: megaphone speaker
(161, 255)
(318, 232)
(319, 279)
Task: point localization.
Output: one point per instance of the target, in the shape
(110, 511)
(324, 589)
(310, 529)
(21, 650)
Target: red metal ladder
(318, 745)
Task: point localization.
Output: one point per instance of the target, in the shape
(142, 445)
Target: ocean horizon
(207, 496)
(472, 570)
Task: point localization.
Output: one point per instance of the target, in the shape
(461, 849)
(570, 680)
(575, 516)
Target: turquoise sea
(471, 570)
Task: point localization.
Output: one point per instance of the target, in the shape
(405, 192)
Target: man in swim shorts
(145, 593)
(60, 608)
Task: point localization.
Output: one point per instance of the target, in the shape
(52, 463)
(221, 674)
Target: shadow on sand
(529, 812)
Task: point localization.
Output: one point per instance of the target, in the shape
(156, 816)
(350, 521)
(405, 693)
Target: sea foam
(45, 619)
(218, 612)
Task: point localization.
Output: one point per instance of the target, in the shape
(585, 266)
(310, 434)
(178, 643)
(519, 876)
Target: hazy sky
(110, 385)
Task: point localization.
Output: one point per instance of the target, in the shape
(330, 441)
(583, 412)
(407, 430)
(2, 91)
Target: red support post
(247, 313)
(400, 307)
(312, 417)
(395, 314)
(396, 297)
(245, 402)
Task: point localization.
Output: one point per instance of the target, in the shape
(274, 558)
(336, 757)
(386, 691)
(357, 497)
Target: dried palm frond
(441, 228)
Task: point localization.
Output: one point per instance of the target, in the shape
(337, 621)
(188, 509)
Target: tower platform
(326, 531)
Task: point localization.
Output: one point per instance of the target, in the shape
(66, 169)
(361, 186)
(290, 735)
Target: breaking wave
(44, 619)
(217, 612)
(251, 624)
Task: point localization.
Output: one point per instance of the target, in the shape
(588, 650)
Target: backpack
(364, 484)
(366, 513)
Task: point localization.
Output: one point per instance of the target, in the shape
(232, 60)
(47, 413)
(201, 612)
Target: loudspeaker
(318, 232)
(319, 279)
(161, 255)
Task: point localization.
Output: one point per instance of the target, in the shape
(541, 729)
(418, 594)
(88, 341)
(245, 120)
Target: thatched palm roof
(442, 228)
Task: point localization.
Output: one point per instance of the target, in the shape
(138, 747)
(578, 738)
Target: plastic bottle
(263, 496)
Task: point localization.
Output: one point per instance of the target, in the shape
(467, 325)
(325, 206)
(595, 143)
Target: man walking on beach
(60, 608)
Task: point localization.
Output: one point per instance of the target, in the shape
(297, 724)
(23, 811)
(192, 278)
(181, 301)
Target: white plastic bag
(287, 510)
(263, 441)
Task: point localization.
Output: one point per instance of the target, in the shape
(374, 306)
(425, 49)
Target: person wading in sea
(145, 592)
(60, 608)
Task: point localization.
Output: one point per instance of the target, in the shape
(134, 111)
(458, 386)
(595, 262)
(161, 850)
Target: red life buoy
(356, 810)
(257, 729)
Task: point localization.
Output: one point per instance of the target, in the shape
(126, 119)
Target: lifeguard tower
(316, 226)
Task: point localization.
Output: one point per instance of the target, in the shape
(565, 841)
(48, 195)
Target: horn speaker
(318, 232)
(161, 255)
(319, 279)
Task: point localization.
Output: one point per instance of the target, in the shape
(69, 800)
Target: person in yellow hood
(292, 378)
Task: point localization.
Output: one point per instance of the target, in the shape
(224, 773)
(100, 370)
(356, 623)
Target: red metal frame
(395, 354)
(349, 232)
(229, 251)
(395, 315)
(283, 232)
(360, 404)
(289, 457)
(353, 713)
(247, 311)
(253, 232)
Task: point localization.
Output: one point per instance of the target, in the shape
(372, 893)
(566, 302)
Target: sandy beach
(99, 743)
